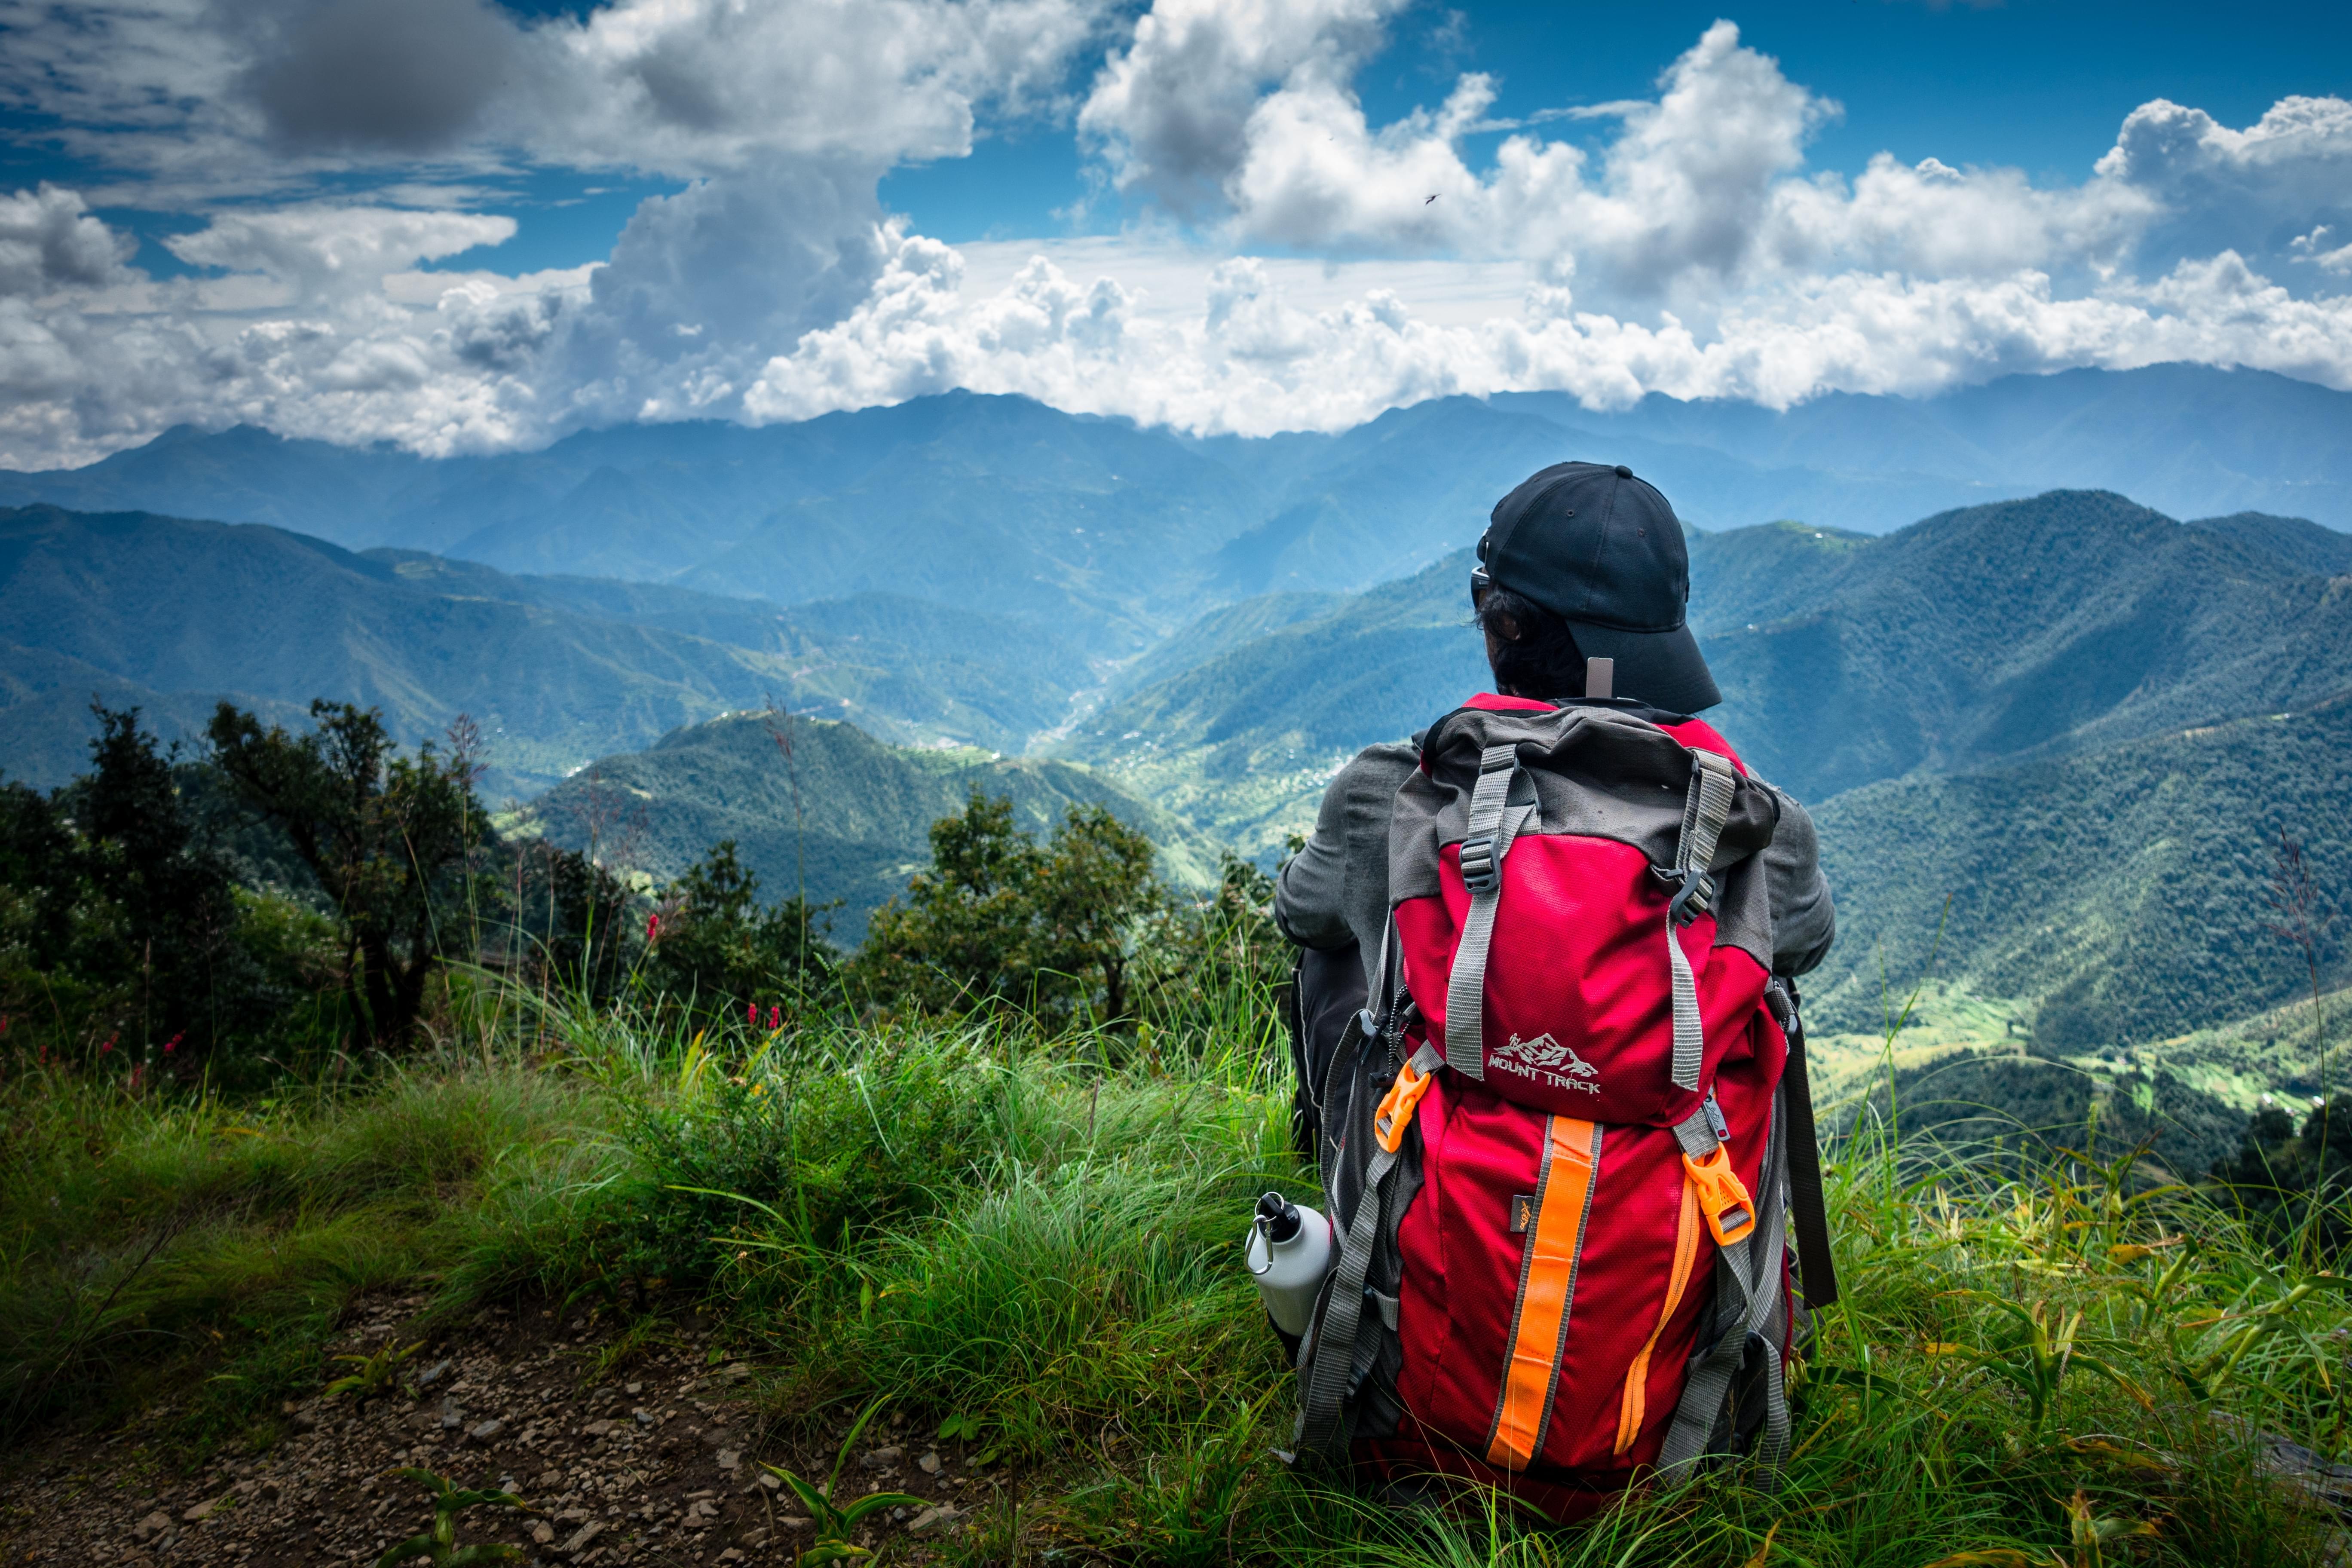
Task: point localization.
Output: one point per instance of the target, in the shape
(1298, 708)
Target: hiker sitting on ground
(1581, 562)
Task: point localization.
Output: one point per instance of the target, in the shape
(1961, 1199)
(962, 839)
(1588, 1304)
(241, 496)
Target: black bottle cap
(1279, 1215)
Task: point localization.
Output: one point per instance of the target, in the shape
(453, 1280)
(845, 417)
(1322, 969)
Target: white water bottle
(1290, 1251)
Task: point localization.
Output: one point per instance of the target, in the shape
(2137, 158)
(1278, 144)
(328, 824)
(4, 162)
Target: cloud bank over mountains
(332, 150)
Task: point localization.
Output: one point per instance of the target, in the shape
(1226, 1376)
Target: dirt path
(655, 1464)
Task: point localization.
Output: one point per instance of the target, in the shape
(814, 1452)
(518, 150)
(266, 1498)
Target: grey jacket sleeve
(1336, 890)
(1804, 922)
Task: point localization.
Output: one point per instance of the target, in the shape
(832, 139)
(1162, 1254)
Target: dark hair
(1535, 654)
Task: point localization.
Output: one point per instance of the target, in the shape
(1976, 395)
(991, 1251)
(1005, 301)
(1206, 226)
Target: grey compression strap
(1705, 812)
(1322, 1425)
(1494, 823)
(1747, 1284)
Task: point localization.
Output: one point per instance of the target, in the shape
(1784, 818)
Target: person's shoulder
(1388, 762)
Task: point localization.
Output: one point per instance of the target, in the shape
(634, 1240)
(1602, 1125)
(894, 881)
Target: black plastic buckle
(1480, 872)
(1697, 894)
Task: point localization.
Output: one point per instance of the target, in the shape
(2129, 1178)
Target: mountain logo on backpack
(1545, 1058)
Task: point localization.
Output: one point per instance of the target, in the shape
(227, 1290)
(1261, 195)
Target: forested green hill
(859, 825)
(2110, 897)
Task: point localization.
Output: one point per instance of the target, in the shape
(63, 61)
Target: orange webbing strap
(1546, 1286)
(1637, 1379)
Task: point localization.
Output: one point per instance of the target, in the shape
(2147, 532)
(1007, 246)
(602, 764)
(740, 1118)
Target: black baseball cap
(1604, 550)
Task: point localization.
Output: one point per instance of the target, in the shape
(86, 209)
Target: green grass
(150, 1242)
(964, 1221)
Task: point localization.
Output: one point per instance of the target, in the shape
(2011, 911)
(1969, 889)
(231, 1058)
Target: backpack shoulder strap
(1704, 811)
(1809, 1211)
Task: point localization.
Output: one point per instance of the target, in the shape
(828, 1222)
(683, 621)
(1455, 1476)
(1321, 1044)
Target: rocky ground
(650, 1458)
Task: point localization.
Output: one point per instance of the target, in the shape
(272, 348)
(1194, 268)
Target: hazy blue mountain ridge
(173, 615)
(2189, 440)
(1112, 535)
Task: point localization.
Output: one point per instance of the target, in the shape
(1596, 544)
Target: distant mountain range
(1113, 535)
(173, 616)
(842, 815)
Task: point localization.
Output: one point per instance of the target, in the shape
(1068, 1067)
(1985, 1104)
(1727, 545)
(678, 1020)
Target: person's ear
(1507, 627)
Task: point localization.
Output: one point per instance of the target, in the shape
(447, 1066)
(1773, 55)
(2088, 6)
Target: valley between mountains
(2056, 662)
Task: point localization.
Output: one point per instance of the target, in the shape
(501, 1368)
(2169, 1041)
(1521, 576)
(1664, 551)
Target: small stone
(303, 1421)
(596, 1430)
(582, 1536)
(771, 1482)
(884, 1459)
(633, 1389)
(928, 1464)
(730, 1555)
(153, 1524)
(199, 1512)
(944, 1519)
(486, 1432)
(736, 1372)
(542, 1533)
(548, 1481)
(645, 1417)
(434, 1374)
(793, 1521)
(728, 1459)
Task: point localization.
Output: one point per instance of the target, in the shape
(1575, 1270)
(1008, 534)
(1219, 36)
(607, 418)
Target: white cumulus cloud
(1688, 248)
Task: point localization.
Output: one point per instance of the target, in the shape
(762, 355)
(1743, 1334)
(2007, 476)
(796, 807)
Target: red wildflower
(108, 1045)
(751, 1014)
(775, 1017)
(653, 928)
(173, 1043)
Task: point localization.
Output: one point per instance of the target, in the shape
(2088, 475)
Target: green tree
(390, 840)
(714, 942)
(1050, 928)
(176, 956)
(1094, 888)
(40, 876)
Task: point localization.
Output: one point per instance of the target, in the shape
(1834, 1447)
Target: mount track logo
(1545, 1060)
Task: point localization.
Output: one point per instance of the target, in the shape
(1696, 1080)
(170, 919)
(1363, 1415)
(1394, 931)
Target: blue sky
(2038, 84)
(460, 225)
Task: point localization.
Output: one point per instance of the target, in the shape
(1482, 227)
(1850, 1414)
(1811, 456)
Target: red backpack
(1560, 1144)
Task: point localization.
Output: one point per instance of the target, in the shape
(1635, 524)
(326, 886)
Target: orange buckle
(1395, 1113)
(1722, 1197)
